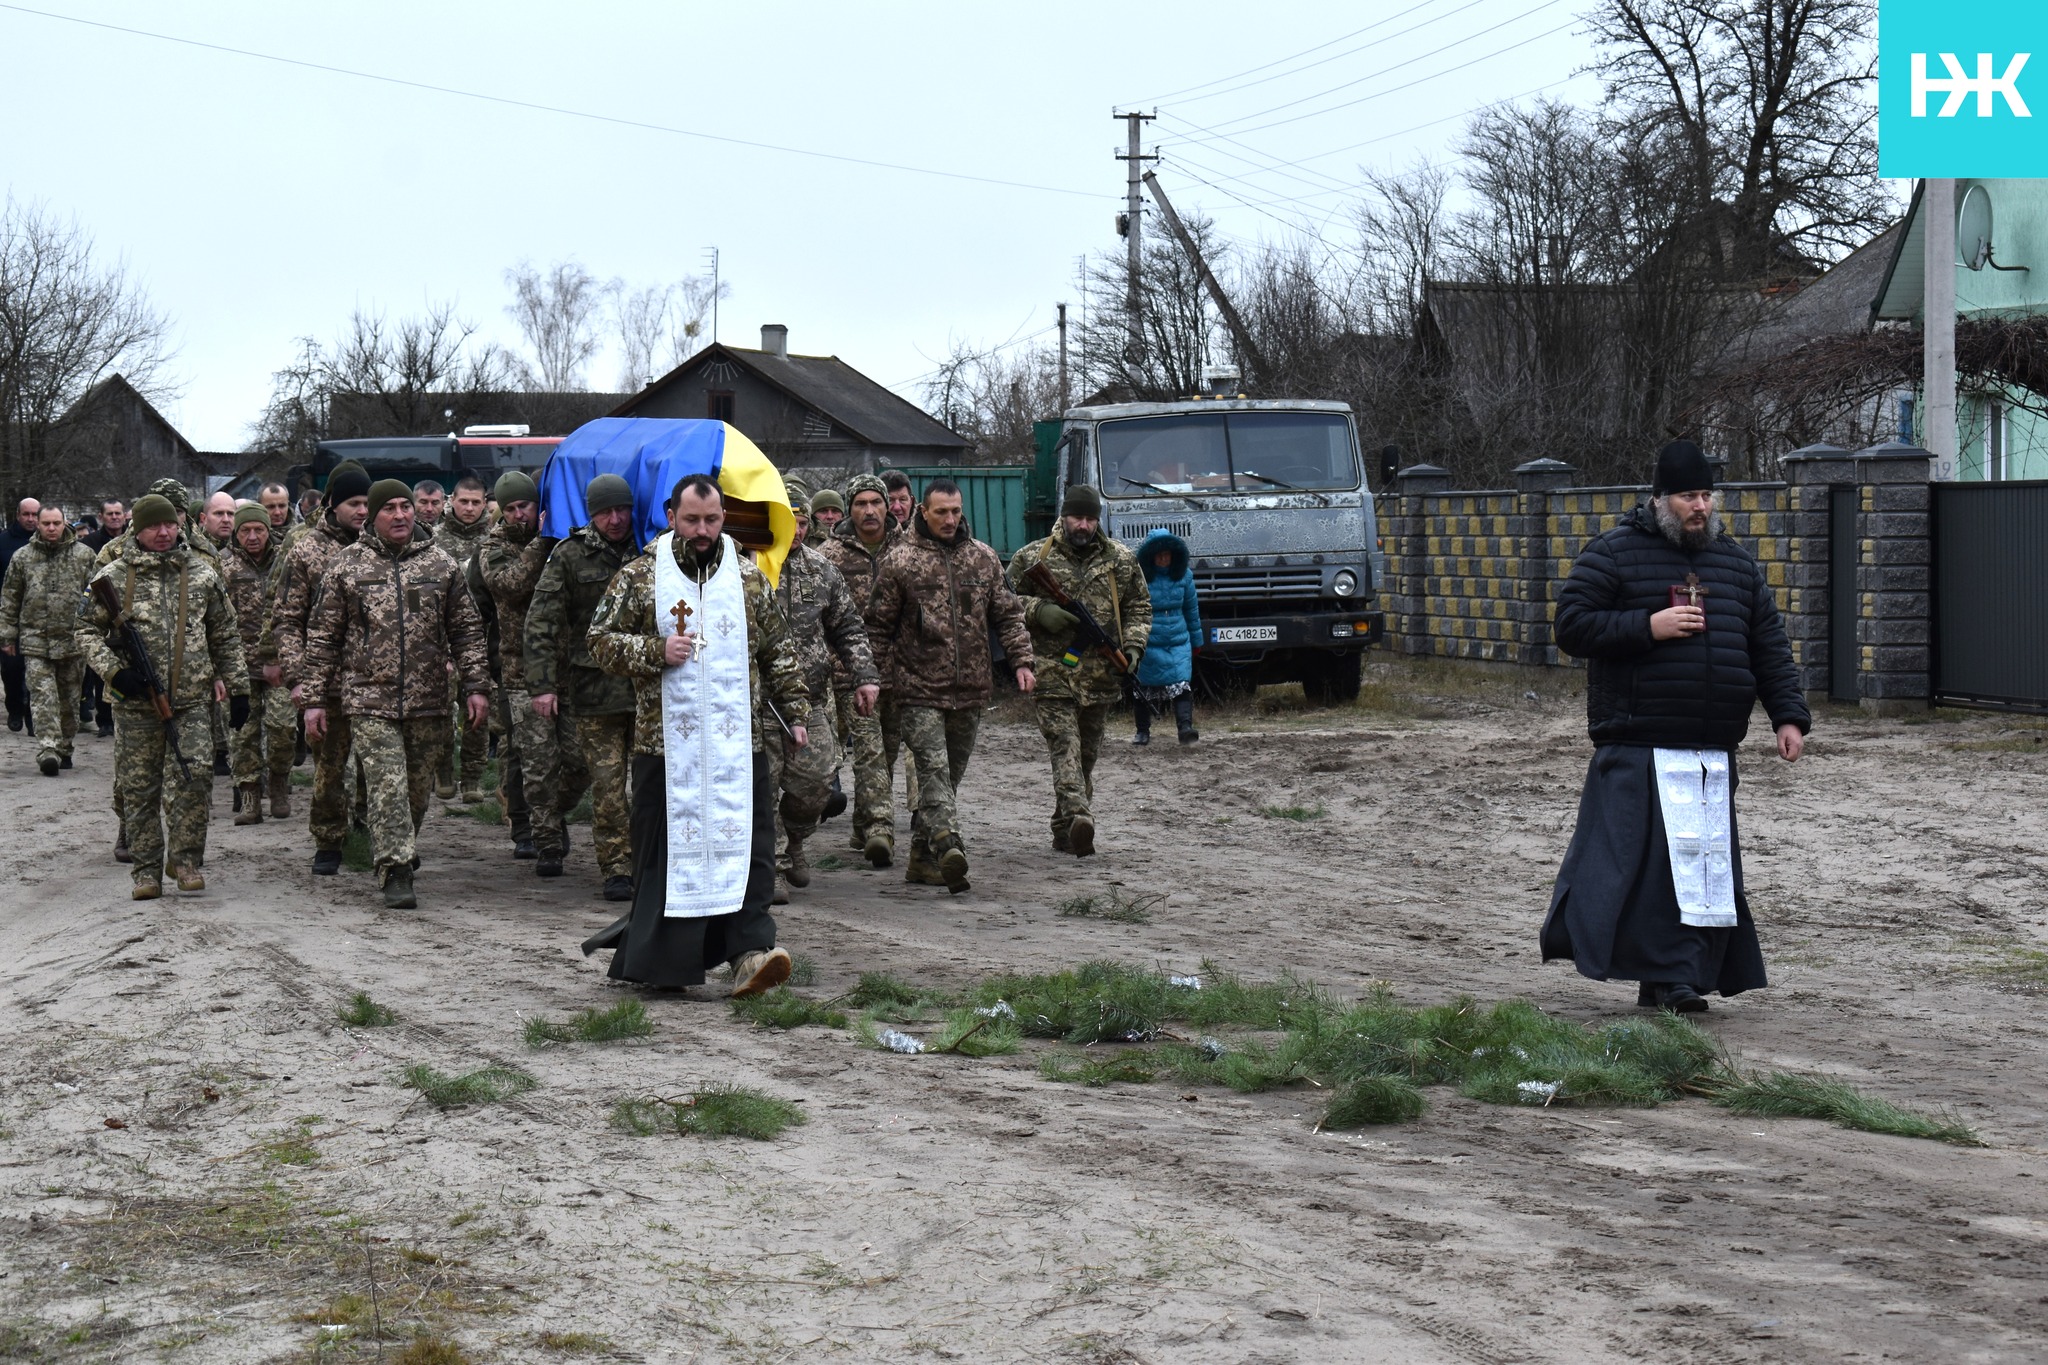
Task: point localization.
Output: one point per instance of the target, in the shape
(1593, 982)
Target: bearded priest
(693, 623)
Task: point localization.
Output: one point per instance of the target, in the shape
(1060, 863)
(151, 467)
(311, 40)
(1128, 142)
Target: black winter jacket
(1691, 693)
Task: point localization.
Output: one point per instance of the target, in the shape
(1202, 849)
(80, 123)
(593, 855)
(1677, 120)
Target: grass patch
(291, 1149)
(571, 1343)
(784, 1009)
(580, 815)
(2021, 970)
(355, 850)
(803, 969)
(1295, 813)
(1375, 1057)
(486, 812)
(719, 1111)
(486, 1086)
(431, 1350)
(1116, 907)
(627, 1019)
(302, 777)
(363, 1012)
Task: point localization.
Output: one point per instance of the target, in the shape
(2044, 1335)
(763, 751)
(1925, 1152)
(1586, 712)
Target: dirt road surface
(199, 1163)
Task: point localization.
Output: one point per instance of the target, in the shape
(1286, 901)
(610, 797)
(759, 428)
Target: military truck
(485, 451)
(1271, 497)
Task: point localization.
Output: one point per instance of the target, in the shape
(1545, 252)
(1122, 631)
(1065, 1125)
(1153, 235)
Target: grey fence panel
(1991, 595)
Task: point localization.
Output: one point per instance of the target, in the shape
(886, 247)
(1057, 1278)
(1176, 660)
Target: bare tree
(659, 326)
(993, 397)
(557, 312)
(67, 321)
(1764, 108)
(1180, 334)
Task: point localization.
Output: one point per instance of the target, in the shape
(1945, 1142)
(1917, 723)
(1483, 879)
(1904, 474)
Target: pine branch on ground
(716, 1111)
(627, 1019)
(486, 1086)
(784, 1009)
(363, 1012)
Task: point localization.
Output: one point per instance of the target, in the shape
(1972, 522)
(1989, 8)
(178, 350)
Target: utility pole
(1239, 333)
(1128, 224)
(712, 252)
(1063, 359)
(1938, 327)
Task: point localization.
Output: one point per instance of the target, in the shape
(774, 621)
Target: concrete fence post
(1408, 558)
(1537, 591)
(1811, 473)
(1895, 578)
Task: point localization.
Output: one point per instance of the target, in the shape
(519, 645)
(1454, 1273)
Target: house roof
(115, 388)
(827, 385)
(1903, 286)
(1836, 303)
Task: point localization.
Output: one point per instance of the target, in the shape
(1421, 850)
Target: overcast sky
(261, 201)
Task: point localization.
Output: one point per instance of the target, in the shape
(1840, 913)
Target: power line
(1339, 56)
(1399, 66)
(487, 98)
(1281, 61)
(1262, 162)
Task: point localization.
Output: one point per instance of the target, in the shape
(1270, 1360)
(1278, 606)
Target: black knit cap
(348, 480)
(1681, 468)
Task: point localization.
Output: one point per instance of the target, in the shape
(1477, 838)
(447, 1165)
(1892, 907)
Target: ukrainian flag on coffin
(653, 455)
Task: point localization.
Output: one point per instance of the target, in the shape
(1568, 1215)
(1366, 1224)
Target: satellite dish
(1973, 228)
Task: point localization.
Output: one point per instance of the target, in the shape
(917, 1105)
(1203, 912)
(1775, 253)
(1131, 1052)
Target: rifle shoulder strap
(178, 644)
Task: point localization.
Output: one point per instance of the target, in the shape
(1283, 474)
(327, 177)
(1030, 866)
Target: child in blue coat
(1167, 670)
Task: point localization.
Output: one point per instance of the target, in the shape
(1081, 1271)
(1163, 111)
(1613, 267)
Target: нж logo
(1957, 86)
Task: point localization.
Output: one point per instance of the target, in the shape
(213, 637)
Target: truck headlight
(1345, 583)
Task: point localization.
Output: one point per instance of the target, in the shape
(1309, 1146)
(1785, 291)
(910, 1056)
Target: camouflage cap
(865, 483)
(173, 492)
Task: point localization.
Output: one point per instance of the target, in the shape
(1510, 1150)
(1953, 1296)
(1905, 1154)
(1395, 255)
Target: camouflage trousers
(53, 687)
(329, 818)
(399, 759)
(511, 776)
(804, 779)
(551, 763)
(874, 808)
(607, 745)
(163, 807)
(893, 742)
(474, 744)
(267, 742)
(1073, 735)
(941, 742)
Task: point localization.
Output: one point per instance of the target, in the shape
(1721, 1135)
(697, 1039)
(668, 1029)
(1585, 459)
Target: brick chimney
(775, 339)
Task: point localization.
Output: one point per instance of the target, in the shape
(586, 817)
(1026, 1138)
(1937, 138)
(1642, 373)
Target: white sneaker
(755, 972)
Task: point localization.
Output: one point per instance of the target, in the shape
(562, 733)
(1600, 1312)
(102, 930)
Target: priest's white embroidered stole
(1692, 791)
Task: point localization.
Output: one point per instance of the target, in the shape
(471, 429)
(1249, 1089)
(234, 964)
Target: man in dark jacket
(1683, 638)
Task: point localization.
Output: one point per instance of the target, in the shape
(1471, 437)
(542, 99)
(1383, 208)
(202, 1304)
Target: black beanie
(348, 480)
(1081, 501)
(1681, 468)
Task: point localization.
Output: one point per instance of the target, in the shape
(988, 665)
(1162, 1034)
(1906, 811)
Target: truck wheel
(1333, 680)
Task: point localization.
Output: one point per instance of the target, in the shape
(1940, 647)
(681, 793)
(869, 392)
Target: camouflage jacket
(252, 584)
(935, 603)
(463, 542)
(191, 540)
(386, 628)
(298, 588)
(557, 656)
(181, 611)
(824, 623)
(856, 564)
(1106, 579)
(626, 640)
(39, 600)
(509, 564)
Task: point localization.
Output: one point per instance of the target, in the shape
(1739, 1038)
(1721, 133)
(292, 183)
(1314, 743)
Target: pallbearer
(1683, 638)
(694, 624)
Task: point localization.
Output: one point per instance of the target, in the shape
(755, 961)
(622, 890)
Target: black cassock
(1614, 911)
(656, 949)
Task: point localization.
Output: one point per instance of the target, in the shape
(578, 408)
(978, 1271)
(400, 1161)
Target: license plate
(1238, 635)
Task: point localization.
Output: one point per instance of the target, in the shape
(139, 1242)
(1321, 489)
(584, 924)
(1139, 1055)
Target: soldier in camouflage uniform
(393, 620)
(856, 550)
(181, 611)
(39, 626)
(265, 747)
(1074, 700)
(563, 675)
(461, 533)
(633, 641)
(544, 746)
(938, 597)
(348, 490)
(825, 625)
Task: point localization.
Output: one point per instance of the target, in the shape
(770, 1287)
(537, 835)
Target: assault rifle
(1088, 634)
(137, 649)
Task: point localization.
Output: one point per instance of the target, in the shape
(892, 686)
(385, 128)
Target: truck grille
(1266, 583)
(1135, 531)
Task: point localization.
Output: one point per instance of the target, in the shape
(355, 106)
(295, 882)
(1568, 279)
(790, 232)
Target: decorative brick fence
(1475, 574)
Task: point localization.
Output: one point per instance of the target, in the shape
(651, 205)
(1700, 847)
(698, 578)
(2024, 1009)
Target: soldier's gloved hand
(1055, 619)
(238, 710)
(130, 684)
(1134, 655)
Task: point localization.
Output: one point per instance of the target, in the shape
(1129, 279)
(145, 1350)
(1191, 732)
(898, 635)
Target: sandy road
(271, 1165)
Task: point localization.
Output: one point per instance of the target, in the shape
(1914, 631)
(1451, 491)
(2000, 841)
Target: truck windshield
(1227, 452)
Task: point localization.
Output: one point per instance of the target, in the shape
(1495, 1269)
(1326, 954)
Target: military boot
(953, 870)
(190, 878)
(398, 889)
(1081, 836)
(249, 803)
(281, 796)
(146, 889)
(921, 869)
(121, 853)
(880, 849)
(472, 793)
(780, 895)
(799, 872)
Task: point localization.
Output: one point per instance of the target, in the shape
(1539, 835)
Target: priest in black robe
(1682, 638)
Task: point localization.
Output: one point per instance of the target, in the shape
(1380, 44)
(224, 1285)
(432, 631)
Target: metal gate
(1991, 595)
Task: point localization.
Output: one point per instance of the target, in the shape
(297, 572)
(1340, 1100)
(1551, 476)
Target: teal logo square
(1962, 90)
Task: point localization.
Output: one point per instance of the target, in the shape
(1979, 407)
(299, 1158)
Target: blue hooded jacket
(1176, 618)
